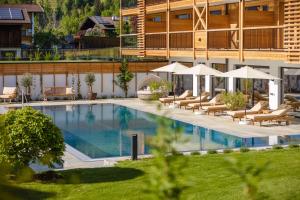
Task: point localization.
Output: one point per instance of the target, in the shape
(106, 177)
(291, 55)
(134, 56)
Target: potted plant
(26, 82)
(90, 80)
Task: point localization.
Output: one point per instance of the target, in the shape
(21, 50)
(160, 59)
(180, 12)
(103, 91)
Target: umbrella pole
(200, 91)
(174, 82)
(246, 98)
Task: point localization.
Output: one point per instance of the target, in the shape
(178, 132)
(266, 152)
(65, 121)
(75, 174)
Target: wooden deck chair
(215, 101)
(278, 116)
(239, 114)
(9, 93)
(185, 102)
(170, 99)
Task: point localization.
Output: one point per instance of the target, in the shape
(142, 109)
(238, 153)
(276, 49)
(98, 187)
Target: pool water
(105, 130)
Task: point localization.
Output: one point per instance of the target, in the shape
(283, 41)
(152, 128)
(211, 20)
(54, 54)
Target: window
(216, 12)
(156, 19)
(265, 8)
(252, 8)
(184, 16)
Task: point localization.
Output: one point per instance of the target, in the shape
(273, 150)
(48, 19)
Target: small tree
(124, 77)
(26, 82)
(166, 179)
(90, 80)
(28, 136)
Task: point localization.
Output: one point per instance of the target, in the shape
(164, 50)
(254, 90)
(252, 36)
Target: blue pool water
(104, 130)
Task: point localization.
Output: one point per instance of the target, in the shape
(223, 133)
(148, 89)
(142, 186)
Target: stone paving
(220, 123)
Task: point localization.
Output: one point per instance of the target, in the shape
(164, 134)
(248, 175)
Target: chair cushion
(69, 91)
(9, 90)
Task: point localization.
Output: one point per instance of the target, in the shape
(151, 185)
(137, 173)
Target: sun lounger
(185, 102)
(215, 101)
(183, 96)
(259, 97)
(215, 109)
(239, 114)
(293, 102)
(277, 116)
(9, 93)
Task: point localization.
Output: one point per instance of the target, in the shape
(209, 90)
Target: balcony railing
(128, 4)
(181, 40)
(129, 41)
(156, 41)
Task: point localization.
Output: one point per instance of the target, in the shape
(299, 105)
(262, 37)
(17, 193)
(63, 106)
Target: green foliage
(9, 55)
(166, 178)
(212, 151)
(277, 146)
(37, 55)
(26, 82)
(250, 175)
(28, 136)
(124, 77)
(292, 146)
(48, 56)
(233, 100)
(244, 149)
(227, 151)
(195, 153)
(45, 39)
(79, 96)
(56, 55)
(158, 89)
(90, 80)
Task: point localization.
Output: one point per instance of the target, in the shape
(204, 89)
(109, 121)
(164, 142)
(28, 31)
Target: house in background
(98, 32)
(17, 28)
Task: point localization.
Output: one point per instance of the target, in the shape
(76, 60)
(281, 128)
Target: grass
(208, 175)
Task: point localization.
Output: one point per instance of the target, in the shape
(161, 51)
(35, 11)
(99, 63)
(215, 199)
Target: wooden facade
(38, 68)
(212, 28)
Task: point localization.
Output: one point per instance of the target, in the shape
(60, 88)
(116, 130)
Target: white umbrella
(200, 70)
(249, 73)
(172, 68)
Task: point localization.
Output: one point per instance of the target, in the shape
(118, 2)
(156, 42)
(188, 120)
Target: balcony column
(208, 84)
(195, 85)
(231, 84)
(274, 89)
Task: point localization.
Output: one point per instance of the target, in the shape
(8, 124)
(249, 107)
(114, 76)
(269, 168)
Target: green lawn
(208, 175)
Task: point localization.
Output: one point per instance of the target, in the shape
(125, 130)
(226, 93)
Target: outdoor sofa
(9, 93)
(59, 92)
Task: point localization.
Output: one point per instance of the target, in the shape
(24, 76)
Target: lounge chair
(259, 97)
(170, 99)
(257, 109)
(215, 109)
(9, 93)
(293, 102)
(184, 103)
(215, 101)
(278, 116)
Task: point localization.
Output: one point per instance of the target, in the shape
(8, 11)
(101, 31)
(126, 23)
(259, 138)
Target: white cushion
(9, 90)
(69, 91)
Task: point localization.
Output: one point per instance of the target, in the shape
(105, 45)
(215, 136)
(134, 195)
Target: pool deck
(220, 123)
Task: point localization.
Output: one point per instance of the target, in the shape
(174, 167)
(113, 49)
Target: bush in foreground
(27, 135)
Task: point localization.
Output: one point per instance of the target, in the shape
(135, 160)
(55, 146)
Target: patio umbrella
(249, 73)
(172, 68)
(201, 70)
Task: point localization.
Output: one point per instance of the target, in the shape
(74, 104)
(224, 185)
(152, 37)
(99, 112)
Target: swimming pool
(105, 130)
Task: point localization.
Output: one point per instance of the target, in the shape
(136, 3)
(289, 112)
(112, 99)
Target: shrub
(227, 151)
(291, 146)
(195, 153)
(37, 56)
(159, 88)
(233, 100)
(28, 136)
(244, 149)
(212, 151)
(277, 147)
(47, 56)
